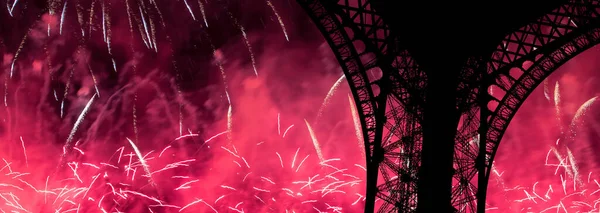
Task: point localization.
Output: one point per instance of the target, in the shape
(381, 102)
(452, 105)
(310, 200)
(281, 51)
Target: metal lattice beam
(528, 56)
(392, 131)
(391, 104)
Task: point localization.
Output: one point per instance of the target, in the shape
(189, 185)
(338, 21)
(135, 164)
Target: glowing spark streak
(144, 196)
(104, 21)
(245, 176)
(294, 159)
(189, 9)
(246, 162)
(79, 10)
(228, 187)
(196, 202)
(6, 92)
(564, 184)
(62, 103)
(186, 185)
(546, 90)
(69, 144)
(259, 199)
(87, 190)
(229, 116)
(145, 27)
(213, 137)
(46, 190)
(362, 167)
(202, 11)
(134, 116)
(279, 123)
(11, 9)
(24, 151)
(315, 141)
(357, 125)
(230, 152)
(580, 112)
(300, 165)
(62, 17)
(280, 160)
(573, 168)
(12, 66)
(91, 165)
(180, 120)
(260, 190)
(328, 97)
(91, 16)
(142, 161)
(249, 47)
(165, 149)
(94, 79)
(535, 193)
(279, 19)
(286, 130)
(221, 197)
(557, 105)
(267, 179)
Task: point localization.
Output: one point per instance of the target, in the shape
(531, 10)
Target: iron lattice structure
(389, 91)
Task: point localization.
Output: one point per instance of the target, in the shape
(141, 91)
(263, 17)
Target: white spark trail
(249, 49)
(142, 161)
(557, 105)
(62, 17)
(315, 141)
(327, 99)
(78, 122)
(580, 112)
(12, 66)
(279, 19)
(229, 119)
(24, 151)
(189, 9)
(286, 130)
(203, 13)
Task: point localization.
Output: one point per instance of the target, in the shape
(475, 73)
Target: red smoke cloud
(210, 132)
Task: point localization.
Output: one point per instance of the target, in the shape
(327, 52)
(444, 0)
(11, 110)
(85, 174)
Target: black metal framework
(388, 88)
(383, 79)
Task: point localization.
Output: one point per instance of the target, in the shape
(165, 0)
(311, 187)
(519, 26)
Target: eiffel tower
(437, 84)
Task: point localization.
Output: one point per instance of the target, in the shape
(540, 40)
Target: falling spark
(142, 161)
(327, 99)
(557, 105)
(574, 168)
(145, 27)
(11, 9)
(69, 144)
(580, 112)
(249, 50)
(12, 66)
(546, 90)
(279, 19)
(315, 141)
(189, 9)
(279, 123)
(94, 79)
(286, 130)
(24, 151)
(229, 119)
(357, 126)
(62, 17)
(103, 21)
(202, 11)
